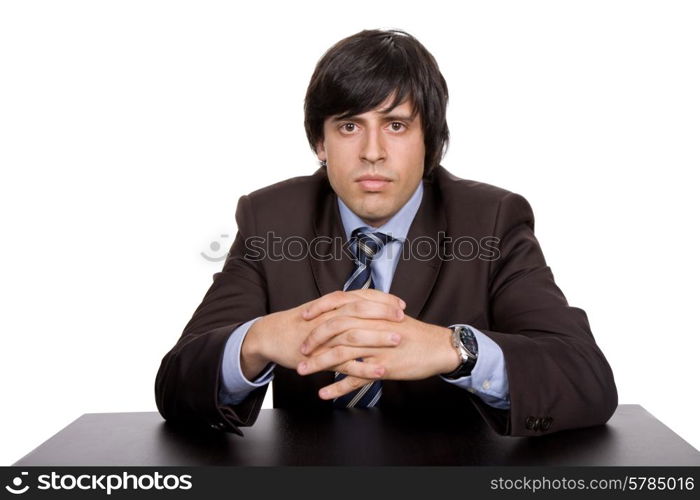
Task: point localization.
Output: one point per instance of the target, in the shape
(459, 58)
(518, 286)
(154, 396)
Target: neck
(375, 224)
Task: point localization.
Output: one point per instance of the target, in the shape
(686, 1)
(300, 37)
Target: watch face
(468, 349)
(469, 341)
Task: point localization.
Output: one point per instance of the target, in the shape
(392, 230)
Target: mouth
(373, 183)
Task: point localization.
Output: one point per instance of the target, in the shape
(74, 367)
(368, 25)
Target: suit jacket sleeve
(187, 383)
(558, 377)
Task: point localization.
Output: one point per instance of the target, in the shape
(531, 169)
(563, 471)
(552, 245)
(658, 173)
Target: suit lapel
(418, 268)
(329, 273)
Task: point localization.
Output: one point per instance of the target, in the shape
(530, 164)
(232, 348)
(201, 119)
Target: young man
(406, 318)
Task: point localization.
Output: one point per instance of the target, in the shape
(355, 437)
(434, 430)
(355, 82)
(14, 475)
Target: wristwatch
(464, 341)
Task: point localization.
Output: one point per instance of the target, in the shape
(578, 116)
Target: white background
(128, 131)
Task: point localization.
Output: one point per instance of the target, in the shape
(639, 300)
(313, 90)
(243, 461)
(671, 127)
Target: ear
(321, 151)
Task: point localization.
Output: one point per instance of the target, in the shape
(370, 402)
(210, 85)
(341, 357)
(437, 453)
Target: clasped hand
(371, 326)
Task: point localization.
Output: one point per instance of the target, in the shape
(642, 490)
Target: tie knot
(369, 243)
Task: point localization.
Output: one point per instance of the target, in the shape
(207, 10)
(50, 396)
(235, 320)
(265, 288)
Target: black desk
(633, 437)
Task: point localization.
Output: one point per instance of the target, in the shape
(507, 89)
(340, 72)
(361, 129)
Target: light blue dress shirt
(488, 379)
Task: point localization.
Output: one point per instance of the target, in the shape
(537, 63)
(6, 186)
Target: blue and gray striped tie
(367, 245)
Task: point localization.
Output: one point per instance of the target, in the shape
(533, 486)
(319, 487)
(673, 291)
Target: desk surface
(358, 437)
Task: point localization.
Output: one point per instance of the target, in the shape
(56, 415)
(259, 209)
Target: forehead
(405, 109)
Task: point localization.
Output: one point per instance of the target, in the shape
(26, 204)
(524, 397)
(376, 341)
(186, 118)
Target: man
(406, 316)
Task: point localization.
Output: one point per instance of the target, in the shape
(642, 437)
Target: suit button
(530, 423)
(546, 423)
(217, 426)
(538, 424)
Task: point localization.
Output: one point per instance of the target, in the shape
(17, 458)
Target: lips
(373, 182)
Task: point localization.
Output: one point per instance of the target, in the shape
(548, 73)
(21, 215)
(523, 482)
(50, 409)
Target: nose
(373, 149)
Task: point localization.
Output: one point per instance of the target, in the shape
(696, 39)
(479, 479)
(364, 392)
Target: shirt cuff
(234, 385)
(488, 379)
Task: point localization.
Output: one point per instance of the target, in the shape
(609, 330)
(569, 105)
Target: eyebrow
(387, 117)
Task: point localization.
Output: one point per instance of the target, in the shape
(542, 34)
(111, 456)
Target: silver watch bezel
(464, 353)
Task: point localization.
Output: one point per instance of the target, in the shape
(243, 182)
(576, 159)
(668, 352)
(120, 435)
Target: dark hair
(361, 71)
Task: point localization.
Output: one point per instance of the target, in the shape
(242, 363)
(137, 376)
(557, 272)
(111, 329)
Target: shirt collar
(396, 227)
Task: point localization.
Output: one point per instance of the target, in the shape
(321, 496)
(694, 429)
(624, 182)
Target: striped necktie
(367, 245)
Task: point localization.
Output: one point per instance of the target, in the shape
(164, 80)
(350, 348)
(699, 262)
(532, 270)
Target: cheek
(412, 153)
(339, 180)
(414, 165)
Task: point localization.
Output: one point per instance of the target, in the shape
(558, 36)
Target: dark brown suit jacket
(558, 377)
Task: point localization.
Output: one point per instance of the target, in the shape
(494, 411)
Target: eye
(397, 126)
(347, 127)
